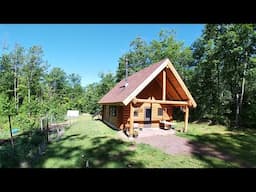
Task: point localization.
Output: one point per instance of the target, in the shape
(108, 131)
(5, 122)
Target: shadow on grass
(102, 152)
(233, 148)
(110, 153)
(69, 151)
(25, 153)
(74, 137)
(21, 154)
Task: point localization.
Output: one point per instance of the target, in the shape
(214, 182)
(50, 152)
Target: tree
(56, 81)
(142, 55)
(75, 92)
(17, 60)
(95, 91)
(7, 109)
(222, 58)
(26, 84)
(205, 83)
(6, 75)
(138, 58)
(33, 71)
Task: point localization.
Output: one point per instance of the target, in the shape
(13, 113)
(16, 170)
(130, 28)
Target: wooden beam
(186, 119)
(178, 103)
(174, 88)
(182, 84)
(131, 119)
(134, 101)
(164, 86)
(160, 85)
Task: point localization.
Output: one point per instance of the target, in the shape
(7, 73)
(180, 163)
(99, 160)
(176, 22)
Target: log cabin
(147, 98)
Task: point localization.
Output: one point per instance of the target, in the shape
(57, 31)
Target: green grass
(239, 144)
(92, 141)
(4, 134)
(24, 151)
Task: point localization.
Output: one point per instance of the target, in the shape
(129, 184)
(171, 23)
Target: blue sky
(88, 49)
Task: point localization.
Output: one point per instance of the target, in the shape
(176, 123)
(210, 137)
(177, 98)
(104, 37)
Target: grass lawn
(237, 143)
(93, 142)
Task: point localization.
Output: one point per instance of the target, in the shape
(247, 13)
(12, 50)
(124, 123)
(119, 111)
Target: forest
(219, 69)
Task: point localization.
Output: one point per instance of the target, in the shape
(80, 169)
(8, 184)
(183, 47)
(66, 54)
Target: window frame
(162, 111)
(113, 111)
(136, 110)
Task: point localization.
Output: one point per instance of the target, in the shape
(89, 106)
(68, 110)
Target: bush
(36, 139)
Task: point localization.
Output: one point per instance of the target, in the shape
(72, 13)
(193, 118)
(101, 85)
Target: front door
(147, 117)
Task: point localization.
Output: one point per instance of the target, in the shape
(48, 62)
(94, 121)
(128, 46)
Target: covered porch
(133, 124)
(166, 89)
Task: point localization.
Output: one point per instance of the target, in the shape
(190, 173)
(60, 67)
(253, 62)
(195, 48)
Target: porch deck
(148, 132)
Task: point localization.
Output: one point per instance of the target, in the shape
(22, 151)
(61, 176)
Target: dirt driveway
(170, 144)
(162, 139)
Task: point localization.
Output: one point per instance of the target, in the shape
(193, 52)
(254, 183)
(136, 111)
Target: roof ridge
(151, 65)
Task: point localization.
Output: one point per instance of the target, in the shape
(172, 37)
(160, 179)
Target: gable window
(160, 112)
(136, 112)
(113, 111)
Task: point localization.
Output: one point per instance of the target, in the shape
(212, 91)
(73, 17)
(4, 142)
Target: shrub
(36, 139)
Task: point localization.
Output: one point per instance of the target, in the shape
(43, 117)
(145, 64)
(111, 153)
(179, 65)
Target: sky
(88, 49)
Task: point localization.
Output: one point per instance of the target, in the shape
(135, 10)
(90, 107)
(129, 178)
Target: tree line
(28, 91)
(219, 69)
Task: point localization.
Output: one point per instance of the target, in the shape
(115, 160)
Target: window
(136, 112)
(160, 112)
(113, 111)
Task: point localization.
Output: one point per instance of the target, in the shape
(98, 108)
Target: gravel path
(170, 144)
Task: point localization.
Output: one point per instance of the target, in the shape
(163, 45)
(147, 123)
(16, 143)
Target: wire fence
(30, 145)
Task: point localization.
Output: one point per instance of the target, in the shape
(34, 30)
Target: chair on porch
(137, 126)
(167, 125)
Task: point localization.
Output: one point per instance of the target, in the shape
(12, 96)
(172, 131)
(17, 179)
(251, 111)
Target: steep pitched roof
(139, 80)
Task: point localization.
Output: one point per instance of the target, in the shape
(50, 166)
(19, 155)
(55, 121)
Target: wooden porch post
(186, 119)
(131, 119)
(164, 86)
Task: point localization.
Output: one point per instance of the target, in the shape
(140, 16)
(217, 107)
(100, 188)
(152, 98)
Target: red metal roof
(119, 93)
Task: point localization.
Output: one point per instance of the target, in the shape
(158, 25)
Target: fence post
(10, 126)
(41, 124)
(47, 128)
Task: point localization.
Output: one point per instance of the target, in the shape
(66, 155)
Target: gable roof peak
(138, 81)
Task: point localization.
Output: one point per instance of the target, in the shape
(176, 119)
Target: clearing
(90, 143)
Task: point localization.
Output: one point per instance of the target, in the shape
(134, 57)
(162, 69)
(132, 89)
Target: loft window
(160, 112)
(136, 112)
(113, 111)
